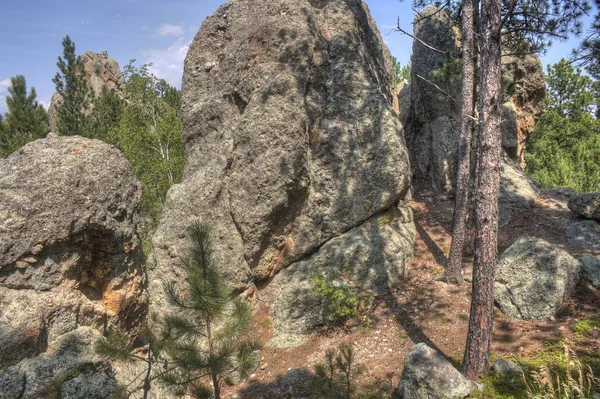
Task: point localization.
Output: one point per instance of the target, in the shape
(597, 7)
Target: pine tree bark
(477, 351)
(453, 270)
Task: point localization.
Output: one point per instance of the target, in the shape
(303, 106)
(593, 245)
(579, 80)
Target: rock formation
(68, 369)
(429, 375)
(432, 119)
(69, 250)
(586, 205)
(590, 268)
(100, 71)
(292, 144)
(534, 278)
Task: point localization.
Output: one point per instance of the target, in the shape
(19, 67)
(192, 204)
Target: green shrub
(340, 298)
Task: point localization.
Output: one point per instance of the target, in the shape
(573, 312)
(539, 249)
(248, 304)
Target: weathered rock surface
(534, 278)
(69, 250)
(506, 368)
(372, 258)
(586, 205)
(583, 234)
(428, 375)
(432, 121)
(69, 370)
(590, 268)
(291, 136)
(517, 190)
(100, 71)
(524, 95)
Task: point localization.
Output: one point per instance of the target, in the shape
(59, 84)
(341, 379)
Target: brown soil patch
(423, 309)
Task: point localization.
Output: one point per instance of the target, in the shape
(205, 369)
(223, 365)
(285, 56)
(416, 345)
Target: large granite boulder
(534, 278)
(590, 268)
(69, 250)
(291, 139)
(371, 258)
(68, 370)
(429, 375)
(586, 205)
(100, 71)
(432, 120)
(583, 234)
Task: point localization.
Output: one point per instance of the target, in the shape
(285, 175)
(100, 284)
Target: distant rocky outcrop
(586, 205)
(69, 251)
(429, 375)
(292, 145)
(432, 118)
(534, 278)
(100, 71)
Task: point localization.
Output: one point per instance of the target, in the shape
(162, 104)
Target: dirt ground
(423, 310)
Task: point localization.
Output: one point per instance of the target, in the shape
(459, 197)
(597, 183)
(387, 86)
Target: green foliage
(401, 73)
(448, 72)
(149, 131)
(569, 380)
(105, 116)
(340, 299)
(563, 151)
(336, 377)
(26, 120)
(207, 327)
(586, 325)
(71, 85)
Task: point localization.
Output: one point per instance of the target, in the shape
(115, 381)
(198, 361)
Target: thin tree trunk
(453, 272)
(477, 351)
(147, 378)
(211, 350)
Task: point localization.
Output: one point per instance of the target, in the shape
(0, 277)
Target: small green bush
(341, 299)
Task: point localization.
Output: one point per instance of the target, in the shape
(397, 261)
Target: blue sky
(157, 31)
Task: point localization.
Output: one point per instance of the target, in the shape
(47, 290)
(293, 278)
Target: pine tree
(207, 325)
(487, 191)
(105, 116)
(563, 151)
(26, 119)
(71, 85)
(453, 270)
(202, 338)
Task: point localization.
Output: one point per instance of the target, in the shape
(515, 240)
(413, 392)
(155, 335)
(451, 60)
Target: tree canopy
(26, 119)
(563, 151)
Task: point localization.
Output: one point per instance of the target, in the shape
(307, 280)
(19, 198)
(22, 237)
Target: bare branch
(446, 93)
(399, 29)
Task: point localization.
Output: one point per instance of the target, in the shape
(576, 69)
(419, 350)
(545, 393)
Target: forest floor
(424, 309)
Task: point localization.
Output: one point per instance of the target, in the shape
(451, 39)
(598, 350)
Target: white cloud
(4, 85)
(170, 30)
(168, 64)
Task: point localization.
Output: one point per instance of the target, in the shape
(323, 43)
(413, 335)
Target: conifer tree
(208, 326)
(26, 119)
(203, 339)
(71, 85)
(563, 151)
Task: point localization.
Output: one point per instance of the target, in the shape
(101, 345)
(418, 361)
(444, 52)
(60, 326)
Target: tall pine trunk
(453, 272)
(487, 188)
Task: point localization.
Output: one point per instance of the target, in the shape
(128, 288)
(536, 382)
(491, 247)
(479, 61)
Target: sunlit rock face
(69, 249)
(291, 140)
